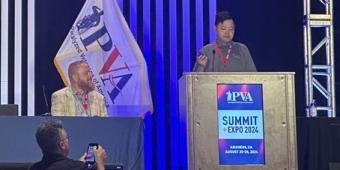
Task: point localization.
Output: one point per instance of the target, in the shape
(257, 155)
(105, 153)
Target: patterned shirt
(81, 103)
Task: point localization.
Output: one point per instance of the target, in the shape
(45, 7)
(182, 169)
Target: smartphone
(89, 159)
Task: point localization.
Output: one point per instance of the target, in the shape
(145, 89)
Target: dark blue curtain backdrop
(170, 32)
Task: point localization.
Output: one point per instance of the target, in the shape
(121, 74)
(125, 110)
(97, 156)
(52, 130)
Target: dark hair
(73, 67)
(48, 135)
(221, 17)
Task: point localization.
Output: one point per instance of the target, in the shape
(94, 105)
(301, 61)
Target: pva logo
(113, 74)
(239, 97)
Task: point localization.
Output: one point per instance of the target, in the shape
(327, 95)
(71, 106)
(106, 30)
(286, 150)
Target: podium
(233, 121)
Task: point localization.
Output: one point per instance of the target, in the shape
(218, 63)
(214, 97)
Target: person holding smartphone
(53, 141)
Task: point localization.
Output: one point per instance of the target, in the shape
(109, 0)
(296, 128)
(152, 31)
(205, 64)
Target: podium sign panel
(240, 124)
(234, 121)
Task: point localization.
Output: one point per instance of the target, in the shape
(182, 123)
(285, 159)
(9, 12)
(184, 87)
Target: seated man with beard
(80, 98)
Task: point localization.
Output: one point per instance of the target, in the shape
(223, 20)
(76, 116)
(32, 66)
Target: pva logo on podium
(239, 97)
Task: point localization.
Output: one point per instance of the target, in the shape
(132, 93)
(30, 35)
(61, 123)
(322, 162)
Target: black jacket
(58, 162)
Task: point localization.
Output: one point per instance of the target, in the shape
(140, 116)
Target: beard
(66, 152)
(86, 86)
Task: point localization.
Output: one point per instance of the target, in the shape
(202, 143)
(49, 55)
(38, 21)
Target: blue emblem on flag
(91, 20)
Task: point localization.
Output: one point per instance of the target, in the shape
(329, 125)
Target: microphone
(46, 103)
(213, 60)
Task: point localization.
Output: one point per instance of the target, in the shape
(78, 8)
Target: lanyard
(84, 101)
(224, 59)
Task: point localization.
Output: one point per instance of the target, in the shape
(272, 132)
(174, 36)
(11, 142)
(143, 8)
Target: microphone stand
(46, 103)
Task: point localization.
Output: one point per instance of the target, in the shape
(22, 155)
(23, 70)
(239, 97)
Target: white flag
(101, 37)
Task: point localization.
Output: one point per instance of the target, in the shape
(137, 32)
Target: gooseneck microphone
(213, 60)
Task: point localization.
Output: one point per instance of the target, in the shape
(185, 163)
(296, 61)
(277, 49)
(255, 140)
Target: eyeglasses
(67, 137)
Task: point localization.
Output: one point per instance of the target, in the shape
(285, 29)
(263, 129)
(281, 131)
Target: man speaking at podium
(224, 55)
(80, 98)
